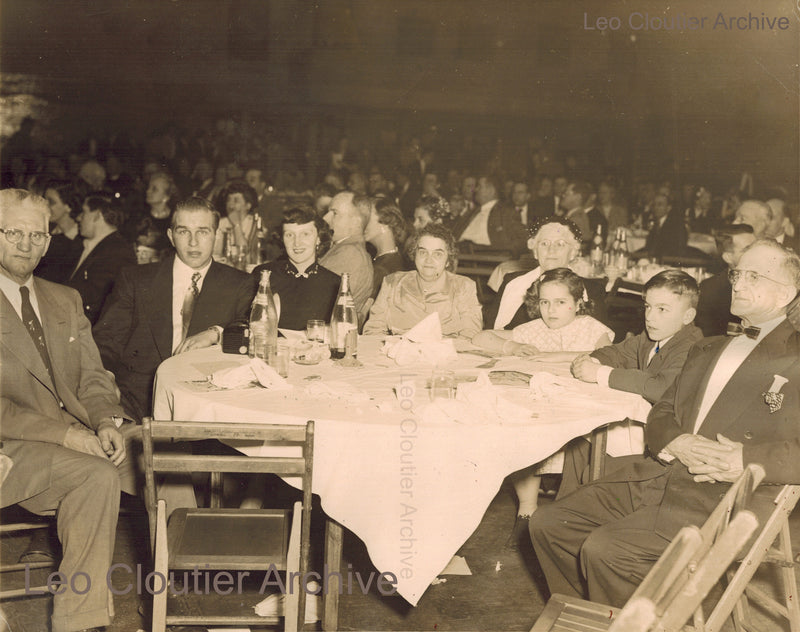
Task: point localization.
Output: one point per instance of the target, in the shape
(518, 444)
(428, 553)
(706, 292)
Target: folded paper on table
(256, 370)
(422, 343)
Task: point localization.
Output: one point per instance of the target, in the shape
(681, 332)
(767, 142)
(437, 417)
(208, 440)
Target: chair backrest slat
(198, 430)
(718, 558)
(283, 466)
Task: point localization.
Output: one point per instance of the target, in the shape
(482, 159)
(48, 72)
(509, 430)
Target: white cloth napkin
(545, 385)
(477, 402)
(256, 370)
(422, 343)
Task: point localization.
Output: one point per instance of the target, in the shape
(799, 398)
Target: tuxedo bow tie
(737, 329)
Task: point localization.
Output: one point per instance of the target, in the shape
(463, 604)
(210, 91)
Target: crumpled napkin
(256, 370)
(477, 402)
(545, 385)
(422, 343)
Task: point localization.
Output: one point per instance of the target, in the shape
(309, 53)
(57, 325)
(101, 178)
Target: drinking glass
(279, 360)
(443, 384)
(315, 330)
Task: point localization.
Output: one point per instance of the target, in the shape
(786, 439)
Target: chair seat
(570, 614)
(228, 539)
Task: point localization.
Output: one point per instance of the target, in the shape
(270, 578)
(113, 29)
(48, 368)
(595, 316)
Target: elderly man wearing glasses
(60, 413)
(405, 298)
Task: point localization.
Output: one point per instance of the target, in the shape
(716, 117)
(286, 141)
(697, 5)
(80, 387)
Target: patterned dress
(579, 335)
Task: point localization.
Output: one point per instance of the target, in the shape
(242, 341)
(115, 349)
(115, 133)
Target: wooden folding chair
(771, 546)
(16, 527)
(230, 539)
(30, 591)
(678, 582)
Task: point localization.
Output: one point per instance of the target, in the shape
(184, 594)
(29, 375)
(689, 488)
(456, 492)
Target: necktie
(736, 329)
(34, 328)
(188, 303)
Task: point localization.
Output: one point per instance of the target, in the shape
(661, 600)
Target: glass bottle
(596, 254)
(263, 321)
(344, 323)
(259, 243)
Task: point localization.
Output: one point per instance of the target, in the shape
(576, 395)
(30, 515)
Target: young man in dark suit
(645, 364)
(105, 253)
(59, 413)
(180, 303)
(736, 402)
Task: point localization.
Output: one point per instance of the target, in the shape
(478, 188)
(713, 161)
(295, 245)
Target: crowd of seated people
(396, 224)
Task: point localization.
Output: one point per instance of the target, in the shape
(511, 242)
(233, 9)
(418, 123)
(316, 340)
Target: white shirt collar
(181, 272)
(10, 288)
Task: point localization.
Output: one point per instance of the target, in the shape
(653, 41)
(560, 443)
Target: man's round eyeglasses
(15, 235)
(750, 277)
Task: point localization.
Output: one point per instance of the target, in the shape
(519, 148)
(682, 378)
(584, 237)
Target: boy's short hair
(677, 282)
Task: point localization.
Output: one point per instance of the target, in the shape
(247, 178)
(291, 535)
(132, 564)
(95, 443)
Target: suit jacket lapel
(699, 380)
(750, 377)
(158, 298)
(18, 341)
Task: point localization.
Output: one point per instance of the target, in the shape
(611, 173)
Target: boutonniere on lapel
(773, 397)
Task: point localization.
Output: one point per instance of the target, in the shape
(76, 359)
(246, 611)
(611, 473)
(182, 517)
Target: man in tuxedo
(105, 253)
(780, 227)
(668, 235)
(736, 402)
(521, 201)
(180, 303)
(491, 224)
(60, 413)
(714, 307)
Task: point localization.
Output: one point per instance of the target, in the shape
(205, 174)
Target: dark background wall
(701, 104)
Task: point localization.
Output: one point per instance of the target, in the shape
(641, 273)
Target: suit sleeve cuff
(604, 374)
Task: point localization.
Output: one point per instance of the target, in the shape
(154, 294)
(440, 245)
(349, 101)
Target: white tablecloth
(409, 480)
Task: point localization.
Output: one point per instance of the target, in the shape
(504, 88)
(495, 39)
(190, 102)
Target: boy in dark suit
(646, 364)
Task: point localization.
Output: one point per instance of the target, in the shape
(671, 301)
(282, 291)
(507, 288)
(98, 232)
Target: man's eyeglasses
(750, 277)
(15, 235)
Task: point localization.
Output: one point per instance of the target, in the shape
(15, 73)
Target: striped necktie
(188, 304)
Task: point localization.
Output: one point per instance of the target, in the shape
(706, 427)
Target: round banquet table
(410, 477)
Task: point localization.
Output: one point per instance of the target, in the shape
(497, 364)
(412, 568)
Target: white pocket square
(71, 338)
